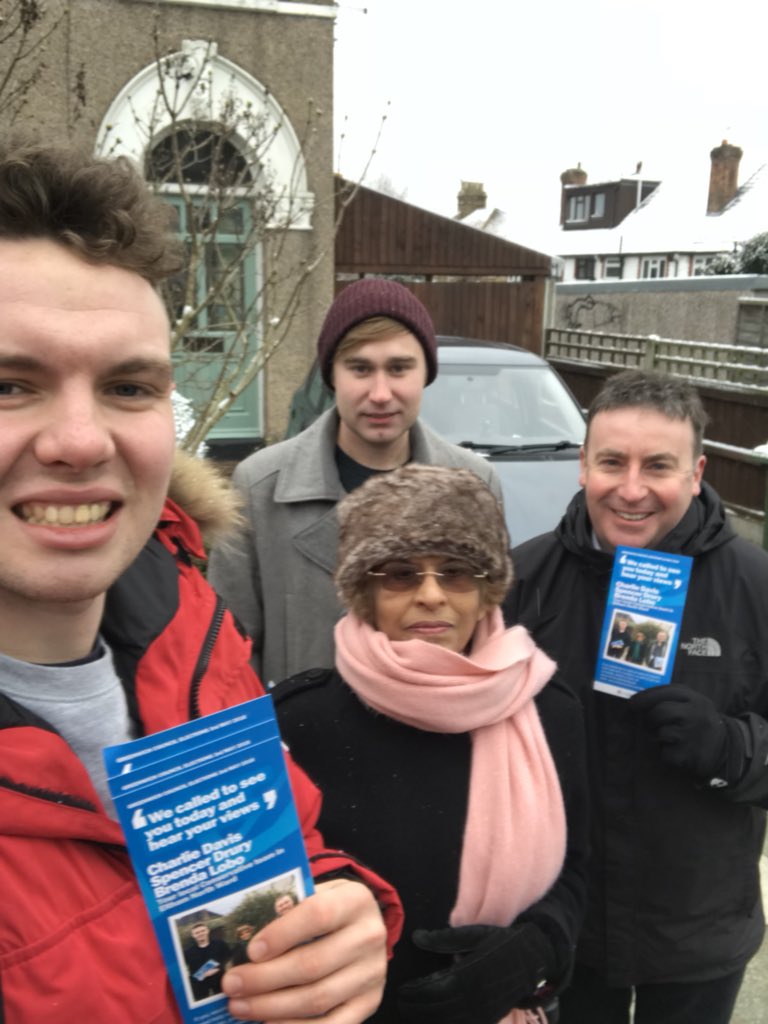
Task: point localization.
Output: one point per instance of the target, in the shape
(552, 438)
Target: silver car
(511, 407)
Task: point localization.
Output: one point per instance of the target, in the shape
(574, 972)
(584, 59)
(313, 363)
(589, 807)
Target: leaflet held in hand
(214, 838)
(641, 628)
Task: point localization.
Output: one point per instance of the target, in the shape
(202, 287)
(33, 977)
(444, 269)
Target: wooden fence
(703, 362)
(733, 384)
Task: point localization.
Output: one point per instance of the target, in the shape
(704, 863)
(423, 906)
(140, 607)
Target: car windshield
(501, 405)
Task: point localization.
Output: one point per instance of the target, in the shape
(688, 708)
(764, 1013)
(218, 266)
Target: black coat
(674, 892)
(396, 797)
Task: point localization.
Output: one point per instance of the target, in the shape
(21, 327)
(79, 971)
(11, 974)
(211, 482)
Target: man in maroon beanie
(377, 351)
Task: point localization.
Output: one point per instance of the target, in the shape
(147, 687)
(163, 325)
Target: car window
(501, 405)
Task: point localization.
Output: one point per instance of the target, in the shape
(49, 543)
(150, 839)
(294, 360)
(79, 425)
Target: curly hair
(100, 207)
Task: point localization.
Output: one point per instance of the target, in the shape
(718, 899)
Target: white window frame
(653, 267)
(577, 209)
(613, 262)
(591, 262)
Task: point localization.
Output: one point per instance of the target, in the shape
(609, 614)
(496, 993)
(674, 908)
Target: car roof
(486, 353)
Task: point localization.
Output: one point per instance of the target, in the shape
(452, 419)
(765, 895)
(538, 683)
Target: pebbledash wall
(692, 309)
(279, 52)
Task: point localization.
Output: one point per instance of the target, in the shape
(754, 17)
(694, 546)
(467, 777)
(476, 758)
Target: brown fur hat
(421, 510)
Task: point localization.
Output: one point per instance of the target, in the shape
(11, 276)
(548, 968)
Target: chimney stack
(471, 197)
(723, 176)
(574, 176)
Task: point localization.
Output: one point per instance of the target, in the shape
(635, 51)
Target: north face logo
(702, 647)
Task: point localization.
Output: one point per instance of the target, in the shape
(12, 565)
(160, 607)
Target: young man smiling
(377, 350)
(107, 631)
(678, 773)
(85, 383)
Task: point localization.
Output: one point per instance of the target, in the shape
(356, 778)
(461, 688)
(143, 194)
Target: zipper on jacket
(205, 657)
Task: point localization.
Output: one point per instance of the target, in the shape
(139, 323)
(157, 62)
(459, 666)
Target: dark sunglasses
(455, 577)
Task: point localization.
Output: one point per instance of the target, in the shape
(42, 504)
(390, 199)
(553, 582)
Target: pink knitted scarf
(514, 837)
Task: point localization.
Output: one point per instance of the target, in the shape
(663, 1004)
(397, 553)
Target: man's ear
(698, 472)
(582, 466)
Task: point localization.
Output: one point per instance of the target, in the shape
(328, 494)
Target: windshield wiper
(511, 449)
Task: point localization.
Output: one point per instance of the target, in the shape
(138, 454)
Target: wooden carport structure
(475, 284)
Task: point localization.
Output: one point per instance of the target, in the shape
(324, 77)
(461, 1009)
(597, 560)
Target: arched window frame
(197, 85)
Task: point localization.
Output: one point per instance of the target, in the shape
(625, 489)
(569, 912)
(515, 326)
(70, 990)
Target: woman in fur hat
(446, 762)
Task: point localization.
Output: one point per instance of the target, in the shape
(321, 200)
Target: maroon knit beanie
(365, 299)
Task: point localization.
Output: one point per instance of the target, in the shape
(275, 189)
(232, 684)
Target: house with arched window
(226, 107)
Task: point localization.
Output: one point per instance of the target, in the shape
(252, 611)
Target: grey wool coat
(277, 574)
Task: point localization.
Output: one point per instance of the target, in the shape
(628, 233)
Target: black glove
(692, 734)
(497, 969)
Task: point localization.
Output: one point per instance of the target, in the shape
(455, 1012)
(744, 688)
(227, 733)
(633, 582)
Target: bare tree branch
(26, 27)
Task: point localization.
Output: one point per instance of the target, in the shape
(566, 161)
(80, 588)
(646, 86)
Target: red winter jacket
(76, 943)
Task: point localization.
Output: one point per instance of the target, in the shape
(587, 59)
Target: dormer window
(586, 206)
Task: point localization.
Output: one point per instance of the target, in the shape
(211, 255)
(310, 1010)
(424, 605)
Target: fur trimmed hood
(206, 494)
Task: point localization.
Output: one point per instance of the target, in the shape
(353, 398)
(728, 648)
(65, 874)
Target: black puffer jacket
(674, 891)
(398, 795)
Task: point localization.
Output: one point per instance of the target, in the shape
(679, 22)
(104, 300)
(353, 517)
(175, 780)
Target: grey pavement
(752, 1005)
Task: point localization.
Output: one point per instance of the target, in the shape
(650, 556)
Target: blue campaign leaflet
(214, 838)
(641, 627)
(165, 754)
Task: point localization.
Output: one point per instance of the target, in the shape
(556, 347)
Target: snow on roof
(613, 181)
(485, 220)
(672, 218)
(497, 222)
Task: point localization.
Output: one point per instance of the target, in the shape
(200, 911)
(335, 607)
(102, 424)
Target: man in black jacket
(206, 960)
(678, 773)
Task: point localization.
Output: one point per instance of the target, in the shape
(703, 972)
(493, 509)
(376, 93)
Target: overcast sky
(512, 93)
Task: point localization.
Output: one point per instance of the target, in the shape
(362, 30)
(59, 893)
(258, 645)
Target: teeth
(65, 515)
(633, 517)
